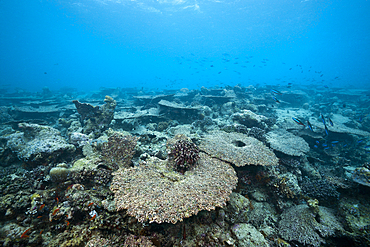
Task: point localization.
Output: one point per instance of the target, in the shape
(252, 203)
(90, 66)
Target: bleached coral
(238, 149)
(287, 143)
(38, 143)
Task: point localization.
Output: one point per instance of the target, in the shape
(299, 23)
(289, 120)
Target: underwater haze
(172, 44)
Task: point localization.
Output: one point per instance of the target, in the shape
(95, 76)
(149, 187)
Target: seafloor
(231, 166)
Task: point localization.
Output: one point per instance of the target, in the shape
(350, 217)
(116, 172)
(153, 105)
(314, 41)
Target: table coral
(153, 192)
(287, 143)
(238, 149)
(300, 223)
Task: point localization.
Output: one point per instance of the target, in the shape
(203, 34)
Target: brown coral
(238, 149)
(152, 192)
(183, 153)
(119, 150)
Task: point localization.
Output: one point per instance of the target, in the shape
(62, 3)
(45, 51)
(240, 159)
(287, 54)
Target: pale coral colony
(210, 167)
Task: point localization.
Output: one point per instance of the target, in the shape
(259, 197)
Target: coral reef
(119, 150)
(94, 118)
(250, 119)
(151, 192)
(248, 235)
(38, 144)
(361, 175)
(237, 149)
(299, 223)
(183, 153)
(287, 143)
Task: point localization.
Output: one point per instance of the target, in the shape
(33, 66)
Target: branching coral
(183, 153)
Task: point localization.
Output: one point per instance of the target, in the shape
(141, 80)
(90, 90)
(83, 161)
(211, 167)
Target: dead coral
(151, 192)
(94, 118)
(238, 149)
(287, 143)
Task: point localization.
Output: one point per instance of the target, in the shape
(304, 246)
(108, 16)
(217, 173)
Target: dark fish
(323, 119)
(276, 100)
(298, 121)
(331, 122)
(309, 125)
(276, 92)
(326, 130)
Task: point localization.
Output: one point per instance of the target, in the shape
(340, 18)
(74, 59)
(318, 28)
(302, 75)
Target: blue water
(169, 44)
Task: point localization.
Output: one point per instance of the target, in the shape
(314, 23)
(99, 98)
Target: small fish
(276, 92)
(326, 148)
(326, 130)
(309, 125)
(93, 217)
(69, 187)
(42, 206)
(276, 100)
(55, 211)
(24, 235)
(315, 146)
(324, 145)
(39, 217)
(323, 119)
(331, 122)
(90, 204)
(67, 222)
(41, 232)
(317, 142)
(334, 142)
(298, 121)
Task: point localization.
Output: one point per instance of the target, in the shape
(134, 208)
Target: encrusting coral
(155, 192)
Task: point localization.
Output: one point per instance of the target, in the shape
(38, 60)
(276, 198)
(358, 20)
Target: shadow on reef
(225, 166)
